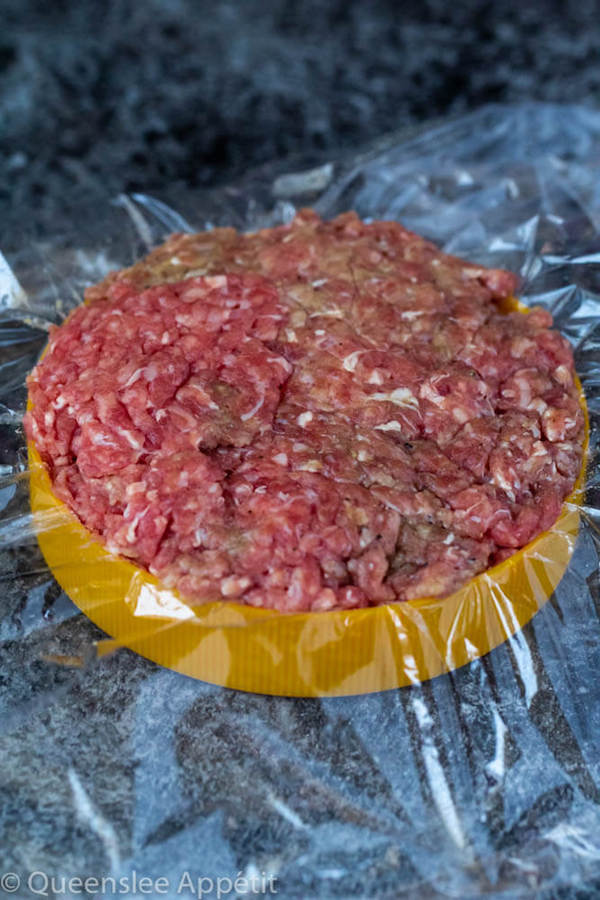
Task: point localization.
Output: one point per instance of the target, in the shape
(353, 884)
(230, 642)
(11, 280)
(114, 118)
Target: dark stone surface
(130, 96)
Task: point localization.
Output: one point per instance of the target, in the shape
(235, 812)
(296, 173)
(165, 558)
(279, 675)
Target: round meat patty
(316, 416)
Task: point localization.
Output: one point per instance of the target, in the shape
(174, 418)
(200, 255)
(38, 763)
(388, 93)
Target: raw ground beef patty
(319, 415)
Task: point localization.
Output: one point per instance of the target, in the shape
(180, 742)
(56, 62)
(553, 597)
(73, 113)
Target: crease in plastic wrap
(465, 758)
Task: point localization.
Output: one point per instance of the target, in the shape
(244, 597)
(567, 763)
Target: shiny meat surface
(320, 415)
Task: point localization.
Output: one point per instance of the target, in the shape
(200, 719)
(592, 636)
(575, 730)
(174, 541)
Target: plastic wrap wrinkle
(484, 780)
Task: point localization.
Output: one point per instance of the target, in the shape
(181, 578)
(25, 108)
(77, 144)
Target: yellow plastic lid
(299, 654)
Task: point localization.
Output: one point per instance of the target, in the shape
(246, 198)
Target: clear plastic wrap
(484, 780)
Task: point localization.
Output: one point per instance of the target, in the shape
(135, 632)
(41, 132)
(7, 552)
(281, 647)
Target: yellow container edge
(335, 653)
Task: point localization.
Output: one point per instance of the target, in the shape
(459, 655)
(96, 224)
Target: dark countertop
(122, 96)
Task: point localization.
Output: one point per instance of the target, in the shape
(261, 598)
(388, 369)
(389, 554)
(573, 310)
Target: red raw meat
(320, 415)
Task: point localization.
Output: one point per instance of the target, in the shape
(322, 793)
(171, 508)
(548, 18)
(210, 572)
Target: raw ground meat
(320, 415)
